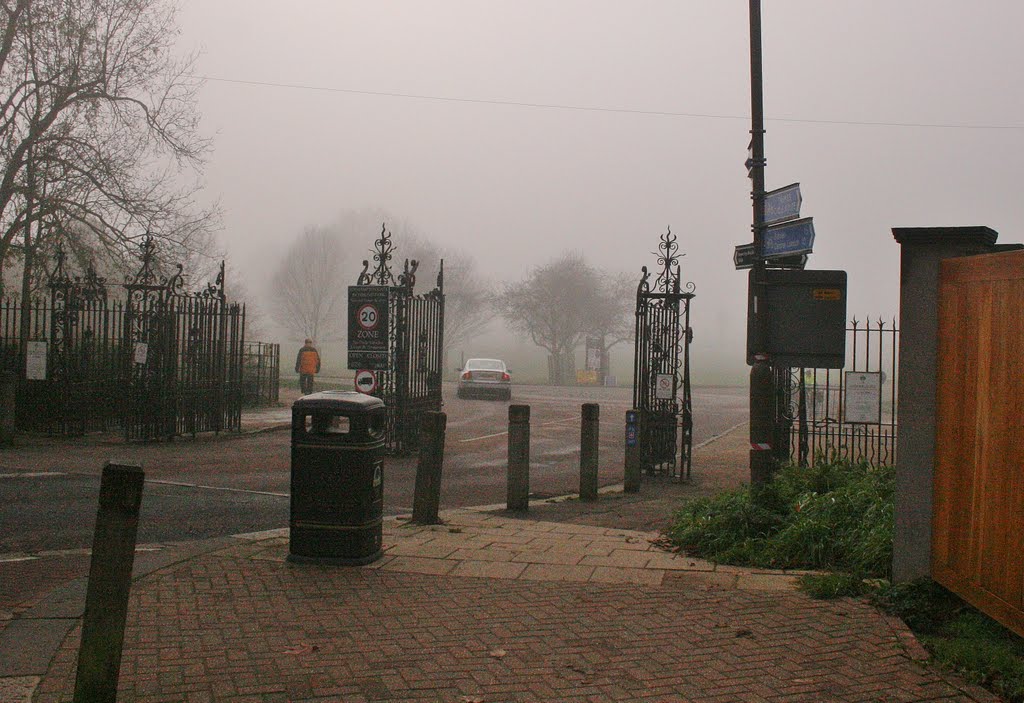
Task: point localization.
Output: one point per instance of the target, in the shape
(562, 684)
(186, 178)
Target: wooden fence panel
(978, 507)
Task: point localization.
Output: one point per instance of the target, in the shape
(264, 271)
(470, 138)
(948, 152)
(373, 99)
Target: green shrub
(836, 516)
(959, 637)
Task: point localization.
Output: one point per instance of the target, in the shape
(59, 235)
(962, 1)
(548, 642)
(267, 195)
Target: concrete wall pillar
(922, 248)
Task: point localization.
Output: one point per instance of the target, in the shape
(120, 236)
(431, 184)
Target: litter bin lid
(350, 401)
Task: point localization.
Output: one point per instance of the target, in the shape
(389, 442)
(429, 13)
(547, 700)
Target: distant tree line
(557, 305)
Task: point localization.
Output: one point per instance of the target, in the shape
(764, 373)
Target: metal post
(803, 419)
(8, 399)
(427, 498)
(634, 452)
(589, 439)
(518, 457)
(110, 576)
(762, 394)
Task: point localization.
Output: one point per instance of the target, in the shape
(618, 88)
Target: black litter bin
(337, 478)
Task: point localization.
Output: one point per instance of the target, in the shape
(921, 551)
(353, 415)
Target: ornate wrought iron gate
(182, 356)
(85, 353)
(159, 363)
(661, 367)
(411, 384)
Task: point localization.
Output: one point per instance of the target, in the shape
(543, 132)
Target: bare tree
(554, 306)
(98, 129)
(612, 313)
(309, 290)
(467, 295)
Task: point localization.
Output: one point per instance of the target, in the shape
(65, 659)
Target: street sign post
(796, 237)
(782, 204)
(744, 258)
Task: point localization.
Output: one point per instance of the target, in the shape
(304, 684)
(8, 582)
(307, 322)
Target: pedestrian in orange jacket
(307, 365)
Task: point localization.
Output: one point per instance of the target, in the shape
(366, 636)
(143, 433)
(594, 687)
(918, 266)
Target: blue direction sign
(796, 237)
(782, 204)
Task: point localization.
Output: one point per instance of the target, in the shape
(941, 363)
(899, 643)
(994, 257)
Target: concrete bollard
(589, 441)
(110, 578)
(518, 457)
(634, 452)
(427, 498)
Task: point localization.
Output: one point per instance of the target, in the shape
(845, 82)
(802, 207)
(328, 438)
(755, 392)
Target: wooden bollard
(589, 438)
(110, 578)
(427, 498)
(631, 479)
(518, 457)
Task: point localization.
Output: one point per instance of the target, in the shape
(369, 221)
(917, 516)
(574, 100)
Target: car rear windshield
(485, 364)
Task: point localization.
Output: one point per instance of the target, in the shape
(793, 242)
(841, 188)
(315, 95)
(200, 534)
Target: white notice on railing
(141, 352)
(863, 401)
(35, 361)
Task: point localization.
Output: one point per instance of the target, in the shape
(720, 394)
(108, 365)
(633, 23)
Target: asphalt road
(213, 486)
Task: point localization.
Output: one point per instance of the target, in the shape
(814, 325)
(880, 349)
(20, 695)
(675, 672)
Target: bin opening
(324, 423)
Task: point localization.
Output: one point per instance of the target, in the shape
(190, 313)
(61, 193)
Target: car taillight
(467, 375)
(505, 377)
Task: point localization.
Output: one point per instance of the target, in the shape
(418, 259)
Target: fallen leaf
(455, 530)
(302, 648)
(471, 699)
(498, 653)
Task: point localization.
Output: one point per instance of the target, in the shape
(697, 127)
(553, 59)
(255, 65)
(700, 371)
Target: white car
(485, 377)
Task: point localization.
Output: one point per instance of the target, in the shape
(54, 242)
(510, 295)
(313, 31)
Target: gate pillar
(922, 248)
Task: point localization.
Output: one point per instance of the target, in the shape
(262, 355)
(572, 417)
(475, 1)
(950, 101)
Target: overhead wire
(590, 108)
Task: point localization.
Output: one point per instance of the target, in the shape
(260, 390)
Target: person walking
(307, 365)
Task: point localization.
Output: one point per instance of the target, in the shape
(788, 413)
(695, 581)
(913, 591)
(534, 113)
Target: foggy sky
(517, 185)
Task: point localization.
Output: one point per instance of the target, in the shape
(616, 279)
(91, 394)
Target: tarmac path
(216, 486)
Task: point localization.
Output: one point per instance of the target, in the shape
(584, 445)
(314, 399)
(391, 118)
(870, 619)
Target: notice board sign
(35, 361)
(862, 402)
(368, 341)
(806, 318)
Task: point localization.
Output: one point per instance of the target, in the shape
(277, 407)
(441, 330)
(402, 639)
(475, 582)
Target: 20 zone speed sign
(368, 317)
(368, 342)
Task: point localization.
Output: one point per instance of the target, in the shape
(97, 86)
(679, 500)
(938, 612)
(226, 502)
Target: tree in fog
(562, 303)
(467, 295)
(309, 289)
(98, 132)
(553, 305)
(613, 313)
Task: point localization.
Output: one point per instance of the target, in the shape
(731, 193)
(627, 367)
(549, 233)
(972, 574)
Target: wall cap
(975, 235)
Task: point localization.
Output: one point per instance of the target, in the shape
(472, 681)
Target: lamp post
(762, 390)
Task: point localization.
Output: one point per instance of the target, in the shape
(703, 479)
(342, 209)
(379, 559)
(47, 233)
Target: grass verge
(837, 518)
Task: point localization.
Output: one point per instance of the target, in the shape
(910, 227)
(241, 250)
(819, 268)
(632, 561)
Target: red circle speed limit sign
(366, 381)
(368, 317)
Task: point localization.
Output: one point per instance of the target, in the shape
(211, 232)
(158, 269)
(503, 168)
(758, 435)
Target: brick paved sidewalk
(489, 608)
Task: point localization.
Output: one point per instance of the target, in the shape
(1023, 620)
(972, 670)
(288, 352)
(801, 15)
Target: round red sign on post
(368, 317)
(366, 381)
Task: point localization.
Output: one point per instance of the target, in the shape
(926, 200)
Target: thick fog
(514, 131)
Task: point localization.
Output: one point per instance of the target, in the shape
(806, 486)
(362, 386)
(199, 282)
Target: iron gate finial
(382, 254)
